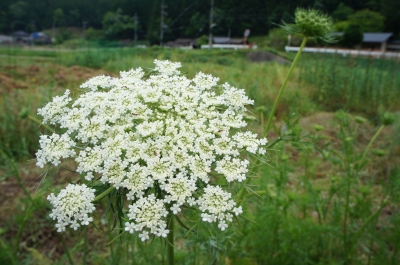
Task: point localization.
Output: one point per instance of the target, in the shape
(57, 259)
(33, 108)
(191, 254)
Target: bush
(278, 38)
(352, 36)
(341, 25)
(62, 35)
(203, 40)
(368, 20)
(94, 34)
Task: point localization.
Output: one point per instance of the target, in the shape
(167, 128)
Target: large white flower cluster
(161, 137)
(72, 206)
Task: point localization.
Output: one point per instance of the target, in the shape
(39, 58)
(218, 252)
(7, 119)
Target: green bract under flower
(157, 137)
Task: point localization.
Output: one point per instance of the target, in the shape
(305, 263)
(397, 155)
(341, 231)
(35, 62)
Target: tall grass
(356, 84)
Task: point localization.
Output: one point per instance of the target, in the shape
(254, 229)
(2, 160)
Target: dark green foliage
(185, 18)
(342, 12)
(94, 34)
(369, 21)
(202, 40)
(62, 35)
(116, 25)
(352, 36)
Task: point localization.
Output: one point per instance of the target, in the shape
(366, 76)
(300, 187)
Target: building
(374, 40)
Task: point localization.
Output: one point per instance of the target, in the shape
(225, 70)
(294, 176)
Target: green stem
(346, 210)
(21, 228)
(272, 113)
(241, 193)
(101, 196)
(7, 250)
(371, 142)
(40, 122)
(365, 224)
(170, 239)
(66, 249)
(262, 122)
(16, 175)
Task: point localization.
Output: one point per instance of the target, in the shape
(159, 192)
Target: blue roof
(377, 37)
(371, 36)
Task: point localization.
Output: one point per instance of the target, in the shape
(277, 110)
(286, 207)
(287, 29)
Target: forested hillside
(186, 18)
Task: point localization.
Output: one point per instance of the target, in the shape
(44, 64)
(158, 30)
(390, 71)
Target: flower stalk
(105, 193)
(371, 142)
(272, 113)
(170, 239)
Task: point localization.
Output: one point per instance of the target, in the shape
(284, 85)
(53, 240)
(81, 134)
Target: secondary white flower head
(54, 148)
(72, 206)
(159, 137)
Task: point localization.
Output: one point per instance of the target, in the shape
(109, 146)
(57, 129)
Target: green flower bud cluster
(312, 24)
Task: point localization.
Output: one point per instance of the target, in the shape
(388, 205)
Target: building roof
(221, 40)
(371, 36)
(377, 37)
(20, 33)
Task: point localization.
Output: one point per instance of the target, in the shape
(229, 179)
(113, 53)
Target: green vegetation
(360, 85)
(111, 20)
(328, 195)
(368, 20)
(352, 36)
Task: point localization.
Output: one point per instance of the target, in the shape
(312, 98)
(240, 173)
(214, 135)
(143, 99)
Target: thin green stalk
(262, 122)
(16, 175)
(271, 115)
(346, 210)
(40, 122)
(109, 228)
(8, 251)
(66, 249)
(170, 239)
(105, 193)
(371, 142)
(85, 248)
(366, 223)
(241, 194)
(21, 228)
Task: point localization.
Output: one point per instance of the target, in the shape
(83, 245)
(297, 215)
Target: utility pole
(162, 26)
(211, 24)
(84, 23)
(136, 24)
(32, 30)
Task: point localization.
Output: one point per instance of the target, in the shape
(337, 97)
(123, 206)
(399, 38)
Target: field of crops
(327, 191)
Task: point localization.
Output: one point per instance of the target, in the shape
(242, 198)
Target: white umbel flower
(147, 215)
(216, 204)
(53, 148)
(160, 138)
(72, 206)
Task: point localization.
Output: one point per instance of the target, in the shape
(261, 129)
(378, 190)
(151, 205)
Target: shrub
(352, 36)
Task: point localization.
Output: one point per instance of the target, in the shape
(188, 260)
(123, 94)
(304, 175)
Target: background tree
(342, 12)
(189, 18)
(19, 15)
(390, 9)
(352, 36)
(369, 21)
(116, 25)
